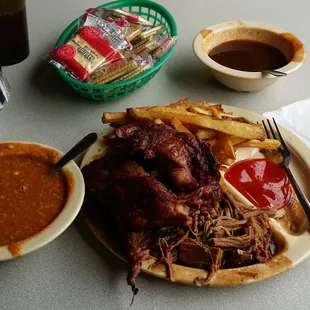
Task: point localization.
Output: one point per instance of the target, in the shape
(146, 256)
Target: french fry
(226, 113)
(200, 104)
(114, 117)
(158, 121)
(267, 144)
(237, 140)
(186, 104)
(181, 104)
(234, 128)
(213, 142)
(208, 110)
(236, 118)
(199, 110)
(222, 130)
(217, 143)
(221, 157)
(205, 133)
(215, 112)
(170, 110)
(206, 106)
(217, 106)
(222, 180)
(227, 145)
(178, 125)
(141, 114)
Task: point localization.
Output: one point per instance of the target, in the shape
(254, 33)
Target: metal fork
(286, 154)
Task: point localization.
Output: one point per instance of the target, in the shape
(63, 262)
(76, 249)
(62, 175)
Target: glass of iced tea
(14, 46)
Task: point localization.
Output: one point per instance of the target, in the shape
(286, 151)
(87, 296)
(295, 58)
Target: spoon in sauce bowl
(80, 147)
(274, 72)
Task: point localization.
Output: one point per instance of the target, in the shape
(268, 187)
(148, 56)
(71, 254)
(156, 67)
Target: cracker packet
(131, 25)
(146, 64)
(98, 41)
(149, 44)
(110, 72)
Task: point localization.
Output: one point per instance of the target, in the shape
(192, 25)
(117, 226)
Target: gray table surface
(74, 271)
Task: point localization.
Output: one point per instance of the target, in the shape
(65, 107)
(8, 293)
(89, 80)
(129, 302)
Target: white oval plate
(298, 246)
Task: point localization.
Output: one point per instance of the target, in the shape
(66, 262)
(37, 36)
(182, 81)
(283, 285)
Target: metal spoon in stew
(81, 146)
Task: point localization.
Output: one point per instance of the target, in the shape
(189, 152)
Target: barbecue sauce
(248, 55)
(261, 181)
(14, 46)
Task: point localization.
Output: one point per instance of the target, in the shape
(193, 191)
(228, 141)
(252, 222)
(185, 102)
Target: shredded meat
(260, 228)
(252, 213)
(241, 258)
(231, 242)
(135, 242)
(196, 254)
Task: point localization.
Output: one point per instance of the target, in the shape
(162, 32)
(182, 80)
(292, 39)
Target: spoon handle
(81, 146)
(275, 72)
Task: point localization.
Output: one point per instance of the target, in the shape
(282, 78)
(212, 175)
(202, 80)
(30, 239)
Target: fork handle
(299, 193)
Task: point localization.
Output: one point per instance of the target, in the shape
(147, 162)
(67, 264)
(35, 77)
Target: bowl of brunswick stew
(35, 206)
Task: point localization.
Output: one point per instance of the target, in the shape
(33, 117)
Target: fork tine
(272, 131)
(266, 131)
(279, 134)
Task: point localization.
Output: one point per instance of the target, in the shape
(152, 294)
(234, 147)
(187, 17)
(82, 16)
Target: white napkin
(295, 117)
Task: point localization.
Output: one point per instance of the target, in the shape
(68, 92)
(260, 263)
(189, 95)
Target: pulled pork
(161, 188)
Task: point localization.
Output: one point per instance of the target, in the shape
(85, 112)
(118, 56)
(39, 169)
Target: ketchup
(261, 181)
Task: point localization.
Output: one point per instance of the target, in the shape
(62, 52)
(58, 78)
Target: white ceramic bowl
(62, 221)
(238, 80)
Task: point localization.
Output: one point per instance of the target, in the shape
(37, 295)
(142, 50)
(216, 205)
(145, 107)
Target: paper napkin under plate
(295, 117)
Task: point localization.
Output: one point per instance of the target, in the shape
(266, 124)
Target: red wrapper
(98, 42)
(164, 48)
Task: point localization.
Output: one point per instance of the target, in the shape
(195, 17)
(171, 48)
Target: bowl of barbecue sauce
(237, 52)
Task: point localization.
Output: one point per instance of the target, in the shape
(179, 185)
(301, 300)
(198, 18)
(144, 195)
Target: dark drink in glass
(14, 46)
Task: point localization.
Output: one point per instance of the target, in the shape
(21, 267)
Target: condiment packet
(109, 72)
(164, 48)
(97, 42)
